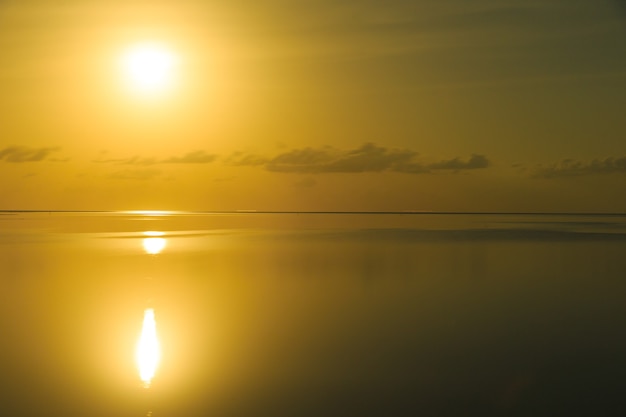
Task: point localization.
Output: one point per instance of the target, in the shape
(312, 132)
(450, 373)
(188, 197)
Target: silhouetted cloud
(456, 164)
(133, 160)
(301, 160)
(18, 154)
(245, 159)
(368, 157)
(195, 157)
(573, 168)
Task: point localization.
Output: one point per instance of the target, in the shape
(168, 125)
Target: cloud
(136, 174)
(18, 154)
(368, 157)
(241, 159)
(195, 157)
(456, 164)
(300, 160)
(134, 160)
(573, 168)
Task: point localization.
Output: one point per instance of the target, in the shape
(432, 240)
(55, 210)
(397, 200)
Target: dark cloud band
(19, 154)
(368, 157)
(573, 168)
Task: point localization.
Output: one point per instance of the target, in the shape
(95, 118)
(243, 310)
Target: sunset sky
(451, 105)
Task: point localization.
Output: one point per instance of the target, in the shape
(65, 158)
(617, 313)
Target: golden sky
(513, 105)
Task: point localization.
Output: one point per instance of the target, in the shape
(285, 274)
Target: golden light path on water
(148, 352)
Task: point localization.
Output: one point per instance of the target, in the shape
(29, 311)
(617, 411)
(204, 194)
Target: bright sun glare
(149, 67)
(148, 352)
(154, 245)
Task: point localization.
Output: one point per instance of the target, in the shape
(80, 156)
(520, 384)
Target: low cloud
(19, 154)
(133, 160)
(574, 168)
(195, 157)
(368, 157)
(457, 164)
(245, 159)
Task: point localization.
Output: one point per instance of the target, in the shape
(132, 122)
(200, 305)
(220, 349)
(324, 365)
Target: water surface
(313, 314)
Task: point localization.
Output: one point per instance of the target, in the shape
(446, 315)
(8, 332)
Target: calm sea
(297, 315)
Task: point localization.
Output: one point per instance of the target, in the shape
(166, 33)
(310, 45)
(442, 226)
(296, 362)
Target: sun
(149, 67)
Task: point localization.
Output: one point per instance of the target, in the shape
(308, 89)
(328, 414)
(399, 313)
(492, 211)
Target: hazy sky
(485, 105)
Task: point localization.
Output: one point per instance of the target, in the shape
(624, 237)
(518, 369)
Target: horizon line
(337, 212)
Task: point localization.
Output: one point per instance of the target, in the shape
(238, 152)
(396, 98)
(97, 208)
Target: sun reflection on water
(148, 352)
(149, 212)
(153, 244)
